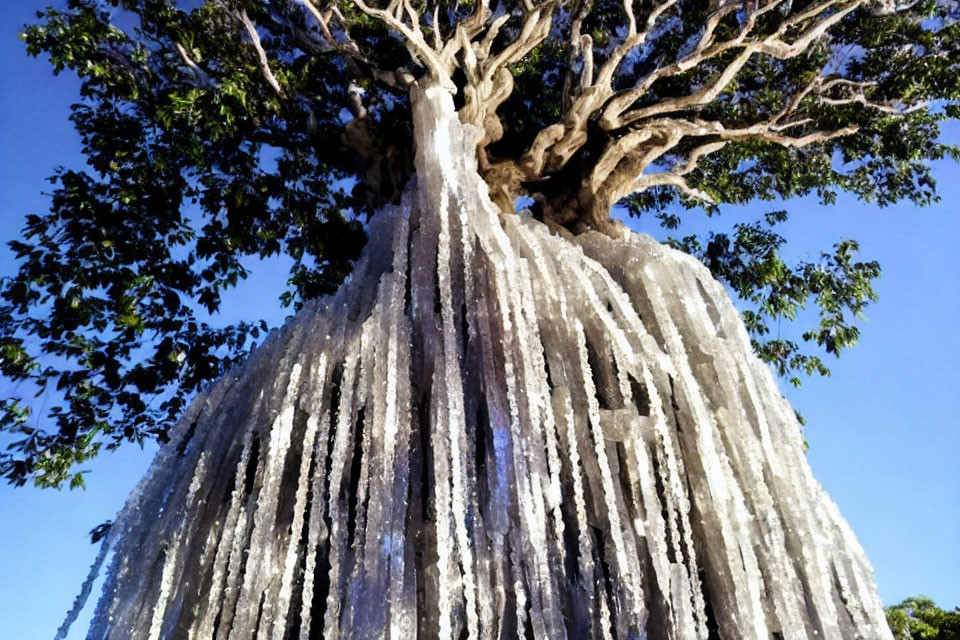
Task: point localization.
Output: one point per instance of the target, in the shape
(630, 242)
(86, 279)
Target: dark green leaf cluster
(749, 261)
(187, 177)
(920, 618)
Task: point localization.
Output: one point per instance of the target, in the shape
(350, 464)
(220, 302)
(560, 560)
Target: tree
(261, 114)
(207, 144)
(920, 618)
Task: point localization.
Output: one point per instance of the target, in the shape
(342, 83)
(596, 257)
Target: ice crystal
(491, 431)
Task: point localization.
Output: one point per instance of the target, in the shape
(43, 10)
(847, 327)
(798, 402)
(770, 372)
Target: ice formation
(491, 431)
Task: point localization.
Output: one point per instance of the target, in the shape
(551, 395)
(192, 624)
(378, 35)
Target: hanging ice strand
(491, 432)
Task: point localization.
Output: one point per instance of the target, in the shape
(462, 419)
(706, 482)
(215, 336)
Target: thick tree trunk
(491, 432)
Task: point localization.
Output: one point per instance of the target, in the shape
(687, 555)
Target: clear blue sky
(883, 430)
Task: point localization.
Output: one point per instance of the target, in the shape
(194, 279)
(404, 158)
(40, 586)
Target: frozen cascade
(491, 431)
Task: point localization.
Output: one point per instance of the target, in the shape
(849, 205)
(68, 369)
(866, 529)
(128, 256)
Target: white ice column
(490, 431)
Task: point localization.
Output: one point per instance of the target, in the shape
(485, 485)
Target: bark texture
(491, 431)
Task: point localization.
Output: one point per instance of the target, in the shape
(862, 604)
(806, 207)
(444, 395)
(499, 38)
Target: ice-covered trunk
(491, 432)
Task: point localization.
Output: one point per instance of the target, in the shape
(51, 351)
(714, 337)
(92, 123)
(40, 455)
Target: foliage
(749, 261)
(223, 131)
(919, 618)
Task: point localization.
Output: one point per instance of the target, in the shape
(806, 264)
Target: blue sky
(883, 430)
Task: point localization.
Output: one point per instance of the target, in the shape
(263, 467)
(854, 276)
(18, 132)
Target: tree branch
(551, 150)
(615, 115)
(348, 48)
(251, 30)
(672, 179)
(489, 79)
(440, 68)
(620, 183)
(860, 97)
(580, 45)
(198, 73)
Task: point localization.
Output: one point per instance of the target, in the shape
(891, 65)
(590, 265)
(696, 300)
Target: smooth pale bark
(491, 431)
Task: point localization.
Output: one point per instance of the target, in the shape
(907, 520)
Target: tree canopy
(919, 618)
(219, 130)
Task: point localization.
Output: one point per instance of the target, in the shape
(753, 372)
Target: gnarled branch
(251, 30)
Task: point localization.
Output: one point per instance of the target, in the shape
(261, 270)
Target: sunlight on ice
(490, 431)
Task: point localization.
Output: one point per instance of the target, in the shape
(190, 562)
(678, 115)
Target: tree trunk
(491, 431)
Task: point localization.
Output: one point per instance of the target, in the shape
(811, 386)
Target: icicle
(204, 626)
(454, 420)
(338, 532)
(85, 590)
(289, 564)
(247, 612)
(490, 493)
(316, 527)
(172, 557)
(609, 491)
